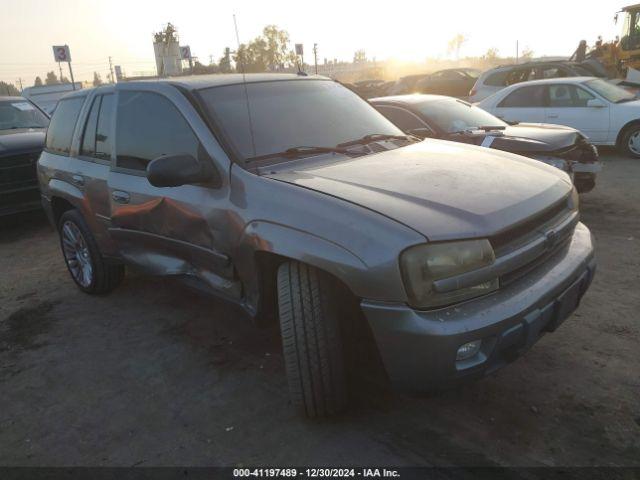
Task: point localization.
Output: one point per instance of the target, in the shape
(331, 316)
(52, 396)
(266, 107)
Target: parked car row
(298, 200)
(447, 118)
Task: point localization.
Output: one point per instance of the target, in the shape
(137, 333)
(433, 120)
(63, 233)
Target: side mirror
(596, 103)
(176, 170)
(422, 132)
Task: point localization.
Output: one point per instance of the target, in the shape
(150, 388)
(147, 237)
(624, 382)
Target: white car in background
(605, 113)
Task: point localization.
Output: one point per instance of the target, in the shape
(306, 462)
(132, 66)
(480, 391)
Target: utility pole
(20, 82)
(315, 56)
(111, 70)
(517, 51)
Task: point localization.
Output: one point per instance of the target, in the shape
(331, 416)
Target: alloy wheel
(76, 254)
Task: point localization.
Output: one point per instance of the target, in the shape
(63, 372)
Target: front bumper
(418, 348)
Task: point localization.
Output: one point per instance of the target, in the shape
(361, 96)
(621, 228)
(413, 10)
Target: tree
(97, 81)
(225, 61)
(455, 44)
(491, 55)
(270, 51)
(51, 79)
(8, 89)
(200, 69)
(359, 56)
(37, 82)
(527, 54)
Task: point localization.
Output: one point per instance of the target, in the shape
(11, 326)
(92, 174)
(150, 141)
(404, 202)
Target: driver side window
(148, 126)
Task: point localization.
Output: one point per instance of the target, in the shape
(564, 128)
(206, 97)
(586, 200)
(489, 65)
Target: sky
(409, 30)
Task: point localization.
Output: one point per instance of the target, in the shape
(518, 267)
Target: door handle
(120, 197)
(552, 116)
(77, 180)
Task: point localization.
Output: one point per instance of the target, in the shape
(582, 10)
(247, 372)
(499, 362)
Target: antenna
(244, 83)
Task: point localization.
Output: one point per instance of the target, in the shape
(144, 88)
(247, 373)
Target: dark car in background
(452, 119)
(22, 132)
(455, 82)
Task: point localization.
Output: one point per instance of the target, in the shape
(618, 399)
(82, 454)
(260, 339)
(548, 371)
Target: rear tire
(88, 269)
(630, 142)
(311, 339)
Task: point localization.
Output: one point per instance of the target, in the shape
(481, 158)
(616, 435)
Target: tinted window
(89, 135)
(20, 113)
(498, 79)
(533, 96)
(518, 75)
(103, 131)
(568, 96)
(404, 120)
(149, 126)
(291, 113)
(62, 125)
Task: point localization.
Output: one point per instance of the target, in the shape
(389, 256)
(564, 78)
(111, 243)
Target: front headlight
(423, 264)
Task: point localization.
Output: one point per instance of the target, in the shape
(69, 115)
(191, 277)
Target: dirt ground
(155, 374)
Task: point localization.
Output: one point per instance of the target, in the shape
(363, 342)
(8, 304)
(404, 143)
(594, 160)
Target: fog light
(468, 350)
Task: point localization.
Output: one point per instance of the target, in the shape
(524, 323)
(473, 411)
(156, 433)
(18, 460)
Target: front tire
(630, 143)
(88, 269)
(311, 339)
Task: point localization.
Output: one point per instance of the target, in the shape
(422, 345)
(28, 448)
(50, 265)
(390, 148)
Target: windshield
(291, 113)
(611, 92)
(19, 113)
(451, 115)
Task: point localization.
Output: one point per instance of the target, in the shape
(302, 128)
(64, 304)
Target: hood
(21, 140)
(441, 189)
(525, 138)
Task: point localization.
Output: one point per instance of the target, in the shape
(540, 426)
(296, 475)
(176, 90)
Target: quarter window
(103, 130)
(149, 126)
(89, 135)
(525, 97)
(63, 124)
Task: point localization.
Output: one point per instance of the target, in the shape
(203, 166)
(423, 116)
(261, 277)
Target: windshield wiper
(296, 152)
(374, 137)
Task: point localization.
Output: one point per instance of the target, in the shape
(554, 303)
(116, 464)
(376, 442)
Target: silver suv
(294, 198)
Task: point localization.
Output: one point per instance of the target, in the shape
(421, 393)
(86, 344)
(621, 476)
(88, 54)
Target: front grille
(19, 183)
(553, 227)
(18, 171)
(520, 234)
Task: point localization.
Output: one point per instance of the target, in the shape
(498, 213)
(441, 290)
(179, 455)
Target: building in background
(166, 48)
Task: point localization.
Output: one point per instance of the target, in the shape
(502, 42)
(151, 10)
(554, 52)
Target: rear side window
(498, 79)
(525, 97)
(63, 124)
(148, 126)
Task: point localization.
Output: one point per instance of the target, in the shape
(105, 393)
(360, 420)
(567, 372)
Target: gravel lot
(155, 374)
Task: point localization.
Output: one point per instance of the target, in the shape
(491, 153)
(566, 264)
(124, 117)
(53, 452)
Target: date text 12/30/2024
(315, 472)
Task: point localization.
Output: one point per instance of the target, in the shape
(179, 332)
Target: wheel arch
(623, 131)
(264, 246)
